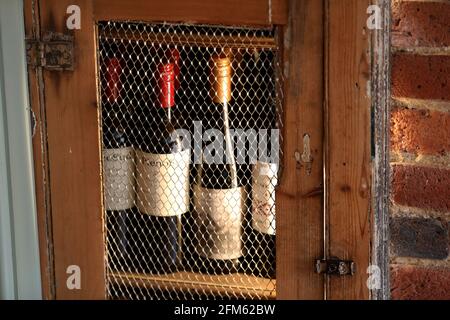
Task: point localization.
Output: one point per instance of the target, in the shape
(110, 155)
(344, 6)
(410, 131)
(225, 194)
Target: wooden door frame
(381, 97)
(358, 64)
(347, 144)
(54, 163)
(357, 61)
(67, 159)
(40, 155)
(301, 229)
(300, 196)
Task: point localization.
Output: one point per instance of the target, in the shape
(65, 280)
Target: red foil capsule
(175, 58)
(113, 85)
(166, 85)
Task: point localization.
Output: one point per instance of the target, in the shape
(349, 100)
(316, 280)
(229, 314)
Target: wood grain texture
(348, 144)
(191, 39)
(299, 197)
(74, 157)
(381, 88)
(279, 11)
(40, 155)
(246, 286)
(228, 12)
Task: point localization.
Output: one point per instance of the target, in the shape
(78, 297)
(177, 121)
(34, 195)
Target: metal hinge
(336, 267)
(53, 52)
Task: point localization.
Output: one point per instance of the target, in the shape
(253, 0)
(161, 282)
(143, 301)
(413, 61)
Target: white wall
(19, 255)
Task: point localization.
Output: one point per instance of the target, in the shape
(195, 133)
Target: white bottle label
(219, 217)
(163, 183)
(264, 183)
(118, 167)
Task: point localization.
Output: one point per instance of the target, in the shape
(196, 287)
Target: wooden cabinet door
(67, 146)
(300, 222)
(348, 144)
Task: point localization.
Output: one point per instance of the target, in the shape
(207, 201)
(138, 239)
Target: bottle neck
(114, 135)
(222, 110)
(168, 112)
(113, 80)
(229, 150)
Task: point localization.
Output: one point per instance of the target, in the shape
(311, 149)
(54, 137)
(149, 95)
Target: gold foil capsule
(220, 79)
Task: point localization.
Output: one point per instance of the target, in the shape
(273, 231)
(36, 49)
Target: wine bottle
(118, 166)
(263, 218)
(218, 198)
(262, 243)
(195, 97)
(162, 183)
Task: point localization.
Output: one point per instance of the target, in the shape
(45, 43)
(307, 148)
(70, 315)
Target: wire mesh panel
(191, 146)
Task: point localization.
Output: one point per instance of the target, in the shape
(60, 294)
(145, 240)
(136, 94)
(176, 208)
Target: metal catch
(335, 267)
(53, 52)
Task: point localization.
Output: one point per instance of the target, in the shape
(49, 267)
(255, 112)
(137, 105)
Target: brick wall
(420, 150)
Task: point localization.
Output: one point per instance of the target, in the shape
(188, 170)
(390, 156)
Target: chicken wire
(151, 257)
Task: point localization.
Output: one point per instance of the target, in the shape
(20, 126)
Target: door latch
(335, 267)
(53, 52)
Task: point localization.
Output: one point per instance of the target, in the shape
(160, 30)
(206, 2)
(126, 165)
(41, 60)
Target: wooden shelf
(191, 39)
(233, 285)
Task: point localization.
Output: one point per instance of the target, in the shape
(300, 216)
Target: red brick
(423, 24)
(420, 283)
(421, 77)
(422, 187)
(419, 238)
(420, 131)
